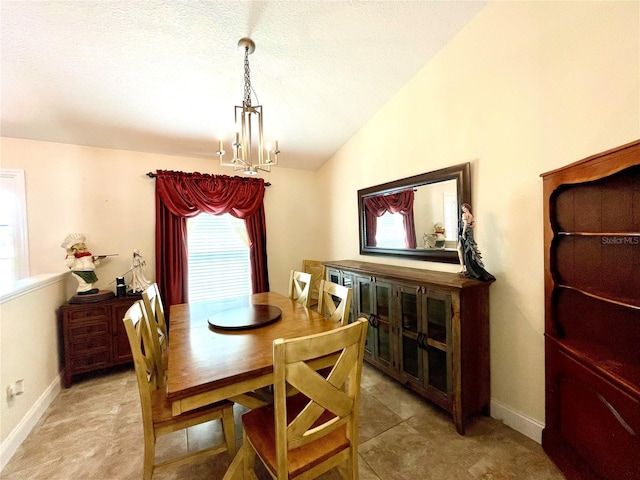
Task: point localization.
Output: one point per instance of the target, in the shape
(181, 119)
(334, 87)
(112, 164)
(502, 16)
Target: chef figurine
(81, 263)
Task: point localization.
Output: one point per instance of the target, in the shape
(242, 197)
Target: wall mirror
(415, 217)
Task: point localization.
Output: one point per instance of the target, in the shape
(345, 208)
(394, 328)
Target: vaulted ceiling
(163, 76)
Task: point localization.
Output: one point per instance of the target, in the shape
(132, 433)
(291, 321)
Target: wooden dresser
(93, 336)
(428, 330)
(592, 315)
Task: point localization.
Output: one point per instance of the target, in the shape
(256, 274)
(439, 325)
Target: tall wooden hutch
(592, 315)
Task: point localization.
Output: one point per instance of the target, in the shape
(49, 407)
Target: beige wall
(106, 195)
(29, 351)
(526, 87)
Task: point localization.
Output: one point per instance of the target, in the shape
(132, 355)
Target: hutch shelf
(592, 315)
(428, 330)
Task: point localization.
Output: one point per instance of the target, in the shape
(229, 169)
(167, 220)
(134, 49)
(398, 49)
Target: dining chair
(317, 270)
(334, 301)
(157, 418)
(159, 333)
(299, 286)
(310, 433)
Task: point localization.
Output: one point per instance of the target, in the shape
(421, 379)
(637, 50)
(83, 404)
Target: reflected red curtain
(182, 195)
(378, 205)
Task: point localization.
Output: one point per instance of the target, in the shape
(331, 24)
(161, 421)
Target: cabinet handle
(371, 320)
(422, 341)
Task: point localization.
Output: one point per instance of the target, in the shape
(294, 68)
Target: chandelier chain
(247, 78)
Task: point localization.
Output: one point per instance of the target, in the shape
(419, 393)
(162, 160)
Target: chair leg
(249, 459)
(228, 428)
(149, 457)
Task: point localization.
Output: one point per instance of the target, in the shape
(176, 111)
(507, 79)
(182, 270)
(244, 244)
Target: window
(14, 246)
(390, 231)
(218, 259)
(450, 201)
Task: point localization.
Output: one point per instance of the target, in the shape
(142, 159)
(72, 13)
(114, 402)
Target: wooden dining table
(207, 364)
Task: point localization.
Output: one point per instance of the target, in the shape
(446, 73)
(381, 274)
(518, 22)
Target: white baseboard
(20, 432)
(518, 421)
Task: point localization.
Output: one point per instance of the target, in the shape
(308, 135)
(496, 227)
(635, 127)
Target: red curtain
(378, 205)
(182, 195)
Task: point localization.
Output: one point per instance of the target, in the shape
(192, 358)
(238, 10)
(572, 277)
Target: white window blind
(390, 231)
(218, 258)
(14, 245)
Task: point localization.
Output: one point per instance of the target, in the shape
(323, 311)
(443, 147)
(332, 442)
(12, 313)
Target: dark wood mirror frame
(460, 173)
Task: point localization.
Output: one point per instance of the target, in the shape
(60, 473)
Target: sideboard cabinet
(428, 330)
(93, 336)
(592, 315)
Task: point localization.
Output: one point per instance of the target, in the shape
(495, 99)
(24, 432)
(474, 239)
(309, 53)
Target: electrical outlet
(16, 388)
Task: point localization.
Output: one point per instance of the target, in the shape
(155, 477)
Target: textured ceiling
(163, 76)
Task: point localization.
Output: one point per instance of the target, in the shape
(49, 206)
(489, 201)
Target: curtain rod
(154, 175)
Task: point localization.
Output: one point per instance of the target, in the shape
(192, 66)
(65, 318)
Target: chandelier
(248, 122)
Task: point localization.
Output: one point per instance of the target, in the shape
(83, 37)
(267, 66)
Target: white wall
(526, 87)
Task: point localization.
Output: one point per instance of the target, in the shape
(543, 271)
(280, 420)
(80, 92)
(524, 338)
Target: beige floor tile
(93, 431)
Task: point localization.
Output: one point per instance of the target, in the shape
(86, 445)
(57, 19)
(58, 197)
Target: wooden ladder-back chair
(157, 418)
(317, 270)
(159, 332)
(306, 435)
(299, 287)
(334, 301)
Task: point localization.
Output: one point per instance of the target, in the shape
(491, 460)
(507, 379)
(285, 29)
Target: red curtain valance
(378, 205)
(187, 194)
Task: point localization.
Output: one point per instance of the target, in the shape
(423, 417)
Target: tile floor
(93, 431)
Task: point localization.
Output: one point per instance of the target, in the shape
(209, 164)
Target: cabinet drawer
(89, 362)
(76, 316)
(89, 343)
(88, 329)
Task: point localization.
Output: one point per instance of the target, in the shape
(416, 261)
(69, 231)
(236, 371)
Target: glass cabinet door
(409, 310)
(374, 302)
(364, 307)
(382, 307)
(437, 361)
(333, 275)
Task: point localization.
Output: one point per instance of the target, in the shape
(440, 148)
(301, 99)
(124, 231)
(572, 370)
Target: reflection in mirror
(416, 217)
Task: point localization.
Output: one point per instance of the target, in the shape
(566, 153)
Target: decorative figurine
(139, 282)
(81, 263)
(439, 232)
(470, 259)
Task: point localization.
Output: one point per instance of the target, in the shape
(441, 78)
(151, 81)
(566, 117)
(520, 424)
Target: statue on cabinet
(139, 282)
(81, 263)
(470, 258)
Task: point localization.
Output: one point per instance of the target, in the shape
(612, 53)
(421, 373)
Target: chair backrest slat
(331, 402)
(299, 287)
(334, 301)
(136, 325)
(159, 334)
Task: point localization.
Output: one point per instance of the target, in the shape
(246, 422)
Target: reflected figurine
(470, 259)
